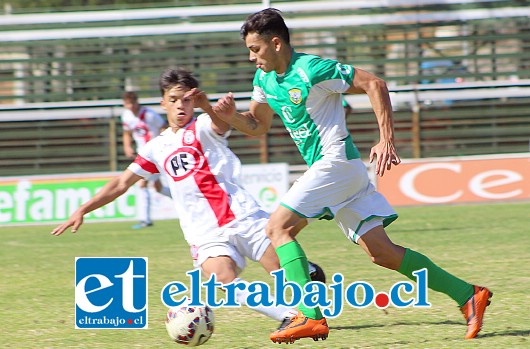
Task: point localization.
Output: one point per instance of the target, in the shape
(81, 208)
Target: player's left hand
(386, 155)
(200, 99)
(75, 221)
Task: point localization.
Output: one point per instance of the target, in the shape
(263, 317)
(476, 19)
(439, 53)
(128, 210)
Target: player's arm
(377, 91)
(110, 191)
(128, 144)
(255, 122)
(200, 100)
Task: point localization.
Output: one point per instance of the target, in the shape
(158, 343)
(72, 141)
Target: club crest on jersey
(184, 162)
(189, 137)
(295, 95)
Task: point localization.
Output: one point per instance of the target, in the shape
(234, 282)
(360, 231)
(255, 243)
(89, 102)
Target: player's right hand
(225, 107)
(386, 156)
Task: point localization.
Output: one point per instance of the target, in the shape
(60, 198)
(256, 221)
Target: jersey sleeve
(204, 127)
(258, 94)
(330, 74)
(144, 165)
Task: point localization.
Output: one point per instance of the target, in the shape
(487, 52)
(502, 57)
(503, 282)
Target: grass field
(483, 244)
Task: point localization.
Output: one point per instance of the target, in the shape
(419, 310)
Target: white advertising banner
(267, 183)
(52, 198)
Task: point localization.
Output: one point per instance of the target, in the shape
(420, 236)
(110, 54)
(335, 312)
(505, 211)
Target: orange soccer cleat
(298, 327)
(474, 310)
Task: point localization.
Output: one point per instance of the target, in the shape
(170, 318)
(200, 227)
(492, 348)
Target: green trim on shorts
(386, 221)
(292, 209)
(389, 219)
(327, 214)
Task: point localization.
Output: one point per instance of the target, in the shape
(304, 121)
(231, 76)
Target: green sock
(294, 261)
(439, 280)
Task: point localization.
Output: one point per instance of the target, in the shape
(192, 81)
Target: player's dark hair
(130, 96)
(266, 23)
(172, 77)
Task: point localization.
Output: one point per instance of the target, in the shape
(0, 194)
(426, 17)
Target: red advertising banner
(503, 177)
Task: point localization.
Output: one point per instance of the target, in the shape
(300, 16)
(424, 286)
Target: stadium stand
(459, 72)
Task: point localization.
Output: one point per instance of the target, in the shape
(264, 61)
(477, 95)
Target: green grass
(483, 244)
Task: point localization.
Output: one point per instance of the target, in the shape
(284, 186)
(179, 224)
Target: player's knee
(276, 233)
(223, 267)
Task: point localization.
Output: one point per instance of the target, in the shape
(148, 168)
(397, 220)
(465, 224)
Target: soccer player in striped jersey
(222, 223)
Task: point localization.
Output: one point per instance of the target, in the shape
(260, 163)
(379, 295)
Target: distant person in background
(141, 124)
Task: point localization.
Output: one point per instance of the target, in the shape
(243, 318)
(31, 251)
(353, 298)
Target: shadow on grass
(354, 327)
(445, 322)
(411, 323)
(514, 333)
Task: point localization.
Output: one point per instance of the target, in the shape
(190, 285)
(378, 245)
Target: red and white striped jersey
(144, 127)
(203, 176)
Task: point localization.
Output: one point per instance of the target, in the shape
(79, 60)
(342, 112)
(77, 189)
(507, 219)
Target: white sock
(144, 206)
(278, 312)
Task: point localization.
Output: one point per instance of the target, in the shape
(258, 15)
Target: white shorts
(245, 238)
(340, 190)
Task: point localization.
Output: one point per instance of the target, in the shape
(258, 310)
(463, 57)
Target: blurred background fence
(459, 72)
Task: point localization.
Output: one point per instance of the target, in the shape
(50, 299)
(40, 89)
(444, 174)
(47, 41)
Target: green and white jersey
(308, 98)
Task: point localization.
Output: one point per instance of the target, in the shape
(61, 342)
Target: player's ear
(277, 42)
(163, 104)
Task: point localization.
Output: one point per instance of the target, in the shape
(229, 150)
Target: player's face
(132, 106)
(178, 106)
(263, 51)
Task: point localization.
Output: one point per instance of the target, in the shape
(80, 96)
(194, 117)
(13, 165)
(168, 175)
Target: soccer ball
(316, 272)
(190, 325)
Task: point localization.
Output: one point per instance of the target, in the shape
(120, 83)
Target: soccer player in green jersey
(306, 92)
